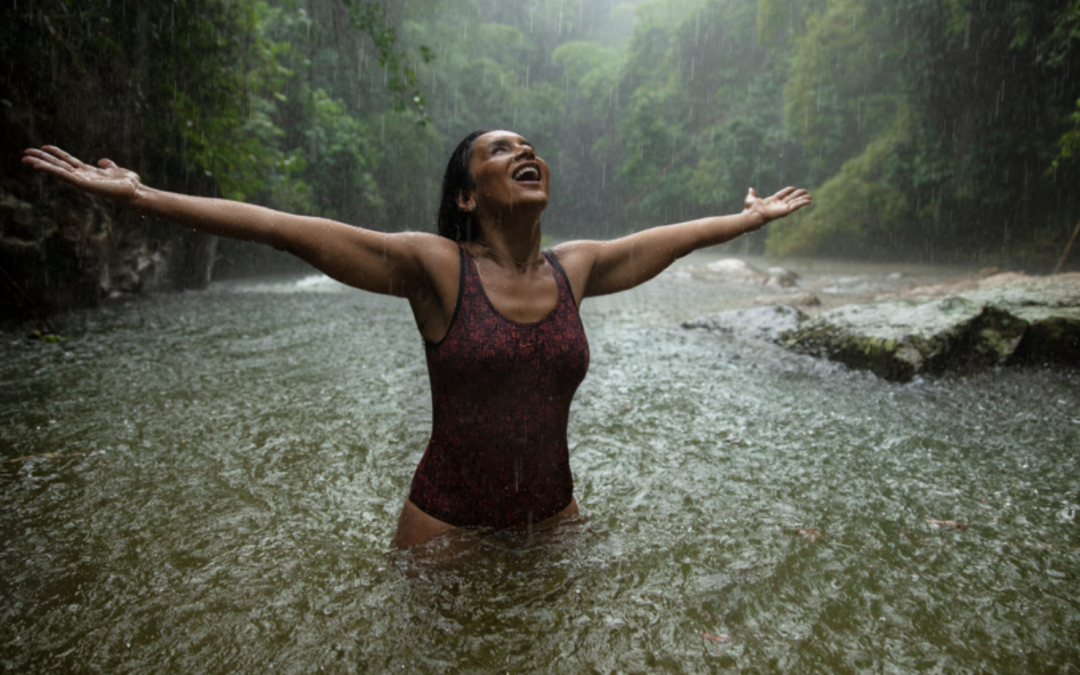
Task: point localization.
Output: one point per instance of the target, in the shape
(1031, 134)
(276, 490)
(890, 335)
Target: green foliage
(842, 87)
(703, 119)
(1052, 29)
(114, 75)
(1070, 140)
(858, 210)
(957, 100)
(276, 141)
(769, 20)
(342, 161)
(921, 126)
(370, 18)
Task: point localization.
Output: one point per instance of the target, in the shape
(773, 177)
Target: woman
(505, 346)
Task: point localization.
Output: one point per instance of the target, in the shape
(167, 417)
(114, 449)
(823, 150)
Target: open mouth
(530, 173)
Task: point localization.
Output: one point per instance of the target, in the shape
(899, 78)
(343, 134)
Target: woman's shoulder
(427, 245)
(577, 259)
(438, 256)
(572, 253)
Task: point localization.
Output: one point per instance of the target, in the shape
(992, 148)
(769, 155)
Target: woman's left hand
(779, 205)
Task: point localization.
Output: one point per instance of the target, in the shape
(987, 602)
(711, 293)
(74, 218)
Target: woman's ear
(466, 204)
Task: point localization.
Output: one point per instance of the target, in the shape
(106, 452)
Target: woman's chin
(535, 199)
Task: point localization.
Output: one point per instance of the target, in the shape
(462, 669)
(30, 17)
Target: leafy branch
(370, 17)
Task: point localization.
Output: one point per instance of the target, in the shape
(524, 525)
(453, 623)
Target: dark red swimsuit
(501, 395)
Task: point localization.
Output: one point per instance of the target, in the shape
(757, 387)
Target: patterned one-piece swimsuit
(501, 394)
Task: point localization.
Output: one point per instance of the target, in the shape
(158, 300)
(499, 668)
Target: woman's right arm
(373, 261)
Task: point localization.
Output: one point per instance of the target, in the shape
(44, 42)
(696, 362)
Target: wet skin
(511, 192)
(416, 528)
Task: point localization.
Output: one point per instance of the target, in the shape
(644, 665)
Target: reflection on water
(227, 468)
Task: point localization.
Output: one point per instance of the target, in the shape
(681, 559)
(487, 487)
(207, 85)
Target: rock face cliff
(120, 80)
(60, 249)
(98, 81)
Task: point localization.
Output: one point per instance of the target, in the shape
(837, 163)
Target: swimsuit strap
(561, 279)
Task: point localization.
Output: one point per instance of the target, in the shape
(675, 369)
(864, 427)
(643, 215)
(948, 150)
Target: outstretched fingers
(73, 161)
(56, 157)
(33, 156)
(781, 204)
(793, 198)
(60, 166)
(799, 199)
(785, 193)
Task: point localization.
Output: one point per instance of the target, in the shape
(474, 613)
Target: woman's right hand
(415, 265)
(104, 180)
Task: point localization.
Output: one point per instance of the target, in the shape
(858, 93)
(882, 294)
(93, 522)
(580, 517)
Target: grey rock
(1052, 336)
(69, 250)
(770, 323)
(803, 299)
(733, 269)
(778, 276)
(1025, 321)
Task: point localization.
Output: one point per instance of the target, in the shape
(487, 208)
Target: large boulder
(1004, 319)
(1010, 320)
(898, 339)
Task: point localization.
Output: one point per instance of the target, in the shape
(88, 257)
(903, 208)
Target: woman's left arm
(602, 267)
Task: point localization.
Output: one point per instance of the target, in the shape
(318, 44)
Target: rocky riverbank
(986, 319)
(62, 250)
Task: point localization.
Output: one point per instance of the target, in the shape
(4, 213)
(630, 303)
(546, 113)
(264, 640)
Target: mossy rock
(1053, 336)
(1034, 322)
(899, 339)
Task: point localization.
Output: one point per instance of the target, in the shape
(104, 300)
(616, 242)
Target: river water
(227, 467)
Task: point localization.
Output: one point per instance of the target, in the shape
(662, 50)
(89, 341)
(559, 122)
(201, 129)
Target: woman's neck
(516, 244)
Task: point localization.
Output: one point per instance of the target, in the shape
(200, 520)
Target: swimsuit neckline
(483, 292)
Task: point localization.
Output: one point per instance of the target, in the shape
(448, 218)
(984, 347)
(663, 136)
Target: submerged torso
(501, 393)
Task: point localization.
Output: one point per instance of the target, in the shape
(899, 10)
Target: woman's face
(507, 173)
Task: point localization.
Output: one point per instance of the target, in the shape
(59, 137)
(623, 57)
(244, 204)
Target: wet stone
(768, 322)
(740, 271)
(1008, 319)
(899, 339)
(1053, 336)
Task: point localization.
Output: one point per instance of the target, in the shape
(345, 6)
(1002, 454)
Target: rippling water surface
(227, 468)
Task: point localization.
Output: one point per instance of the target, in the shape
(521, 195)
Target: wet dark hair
(452, 221)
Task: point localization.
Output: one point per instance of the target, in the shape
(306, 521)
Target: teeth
(525, 170)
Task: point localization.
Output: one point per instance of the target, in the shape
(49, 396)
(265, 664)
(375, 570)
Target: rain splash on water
(208, 482)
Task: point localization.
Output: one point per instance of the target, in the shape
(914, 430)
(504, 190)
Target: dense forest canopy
(944, 130)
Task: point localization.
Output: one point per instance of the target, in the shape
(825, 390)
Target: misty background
(208, 482)
(939, 131)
